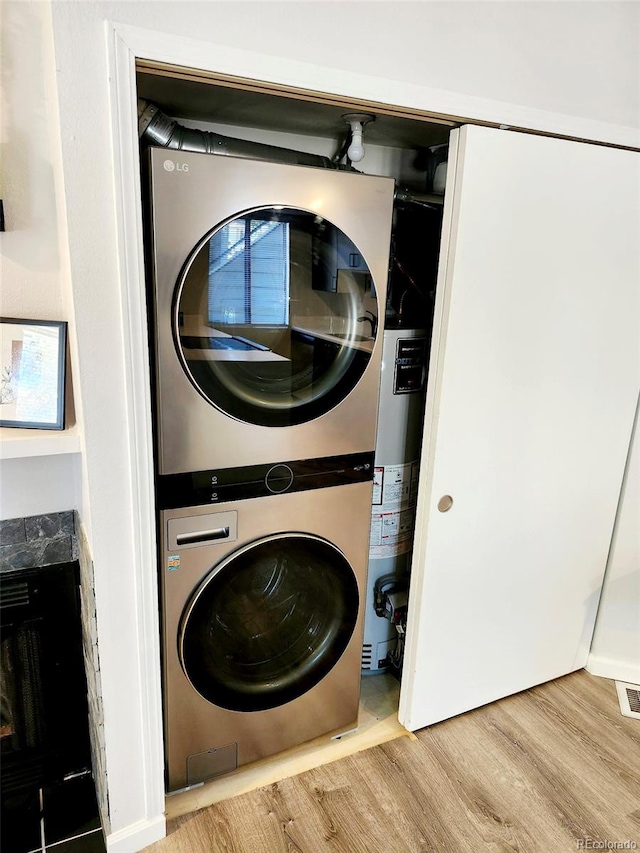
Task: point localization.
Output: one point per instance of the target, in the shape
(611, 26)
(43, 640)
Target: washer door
(275, 316)
(269, 622)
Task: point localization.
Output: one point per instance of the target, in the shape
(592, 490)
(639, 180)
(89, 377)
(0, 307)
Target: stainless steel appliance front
(261, 605)
(268, 281)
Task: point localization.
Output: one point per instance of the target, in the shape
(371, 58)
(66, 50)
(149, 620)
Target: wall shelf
(20, 443)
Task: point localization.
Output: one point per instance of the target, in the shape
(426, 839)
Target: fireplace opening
(44, 732)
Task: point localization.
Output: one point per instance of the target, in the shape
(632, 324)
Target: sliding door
(533, 383)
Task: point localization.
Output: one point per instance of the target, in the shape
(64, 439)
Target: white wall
(563, 57)
(39, 484)
(561, 65)
(32, 270)
(30, 261)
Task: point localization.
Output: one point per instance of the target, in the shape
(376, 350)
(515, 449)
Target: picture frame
(32, 373)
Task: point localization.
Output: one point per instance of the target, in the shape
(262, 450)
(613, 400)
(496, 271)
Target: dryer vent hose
(156, 128)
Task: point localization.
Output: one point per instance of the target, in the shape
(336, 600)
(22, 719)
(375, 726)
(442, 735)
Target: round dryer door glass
(269, 623)
(275, 316)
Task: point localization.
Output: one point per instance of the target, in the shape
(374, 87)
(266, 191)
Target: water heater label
(393, 486)
(410, 367)
(378, 482)
(395, 490)
(391, 533)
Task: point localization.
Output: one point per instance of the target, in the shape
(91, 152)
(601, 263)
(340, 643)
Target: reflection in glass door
(249, 274)
(267, 624)
(275, 316)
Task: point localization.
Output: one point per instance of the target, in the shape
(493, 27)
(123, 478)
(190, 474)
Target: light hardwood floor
(547, 770)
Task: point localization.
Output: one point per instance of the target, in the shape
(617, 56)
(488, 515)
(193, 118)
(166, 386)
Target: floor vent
(629, 698)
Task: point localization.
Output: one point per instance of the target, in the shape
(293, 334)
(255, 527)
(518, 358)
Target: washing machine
(262, 609)
(267, 284)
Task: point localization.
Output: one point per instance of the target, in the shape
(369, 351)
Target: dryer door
(269, 622)
(275, 316)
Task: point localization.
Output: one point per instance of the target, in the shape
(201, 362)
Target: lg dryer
(268, 280)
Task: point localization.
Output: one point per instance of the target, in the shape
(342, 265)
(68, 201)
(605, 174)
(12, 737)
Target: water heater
(395, 486)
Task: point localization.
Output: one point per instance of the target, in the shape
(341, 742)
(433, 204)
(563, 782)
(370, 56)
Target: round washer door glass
(275, 316)
(269, 622)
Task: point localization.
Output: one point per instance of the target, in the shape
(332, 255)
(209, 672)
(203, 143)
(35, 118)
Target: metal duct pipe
(158, 129)
(406, 196)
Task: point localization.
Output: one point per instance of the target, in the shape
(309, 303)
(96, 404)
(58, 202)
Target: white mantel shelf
(20, 443)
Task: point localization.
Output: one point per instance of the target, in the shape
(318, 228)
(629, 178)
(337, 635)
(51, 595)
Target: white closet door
(533, 382)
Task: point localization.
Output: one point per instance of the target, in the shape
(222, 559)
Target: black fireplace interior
(46, 787)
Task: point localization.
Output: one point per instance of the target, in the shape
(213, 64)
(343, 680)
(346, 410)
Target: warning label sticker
(395, 491)
(395, 487)
(378, 483)
(391, 533)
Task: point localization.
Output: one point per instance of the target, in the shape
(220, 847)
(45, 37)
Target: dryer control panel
(254, 481)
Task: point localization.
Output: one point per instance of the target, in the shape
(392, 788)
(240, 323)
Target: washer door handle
(202, 536)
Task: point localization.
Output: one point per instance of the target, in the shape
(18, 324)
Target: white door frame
(125, 45)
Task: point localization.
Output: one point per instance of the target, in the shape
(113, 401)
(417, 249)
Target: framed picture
(32, 360)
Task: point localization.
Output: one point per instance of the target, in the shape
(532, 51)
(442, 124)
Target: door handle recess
(445, 503)
(202, 536)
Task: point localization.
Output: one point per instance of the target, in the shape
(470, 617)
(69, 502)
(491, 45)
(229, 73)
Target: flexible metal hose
(158, 129)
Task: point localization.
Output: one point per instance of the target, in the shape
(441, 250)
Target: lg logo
(170, 166)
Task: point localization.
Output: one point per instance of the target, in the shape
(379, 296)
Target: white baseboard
(137, 836)
(618, 670)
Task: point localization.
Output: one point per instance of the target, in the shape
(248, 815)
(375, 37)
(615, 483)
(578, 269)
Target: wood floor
(552, 769)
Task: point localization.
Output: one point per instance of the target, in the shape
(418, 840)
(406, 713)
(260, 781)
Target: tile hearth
(62, 818)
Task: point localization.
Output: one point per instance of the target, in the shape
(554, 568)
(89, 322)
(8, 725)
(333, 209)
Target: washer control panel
(279, 479)
(254, 481)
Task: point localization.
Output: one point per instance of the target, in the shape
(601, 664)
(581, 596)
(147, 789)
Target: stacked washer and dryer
(267, 282)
